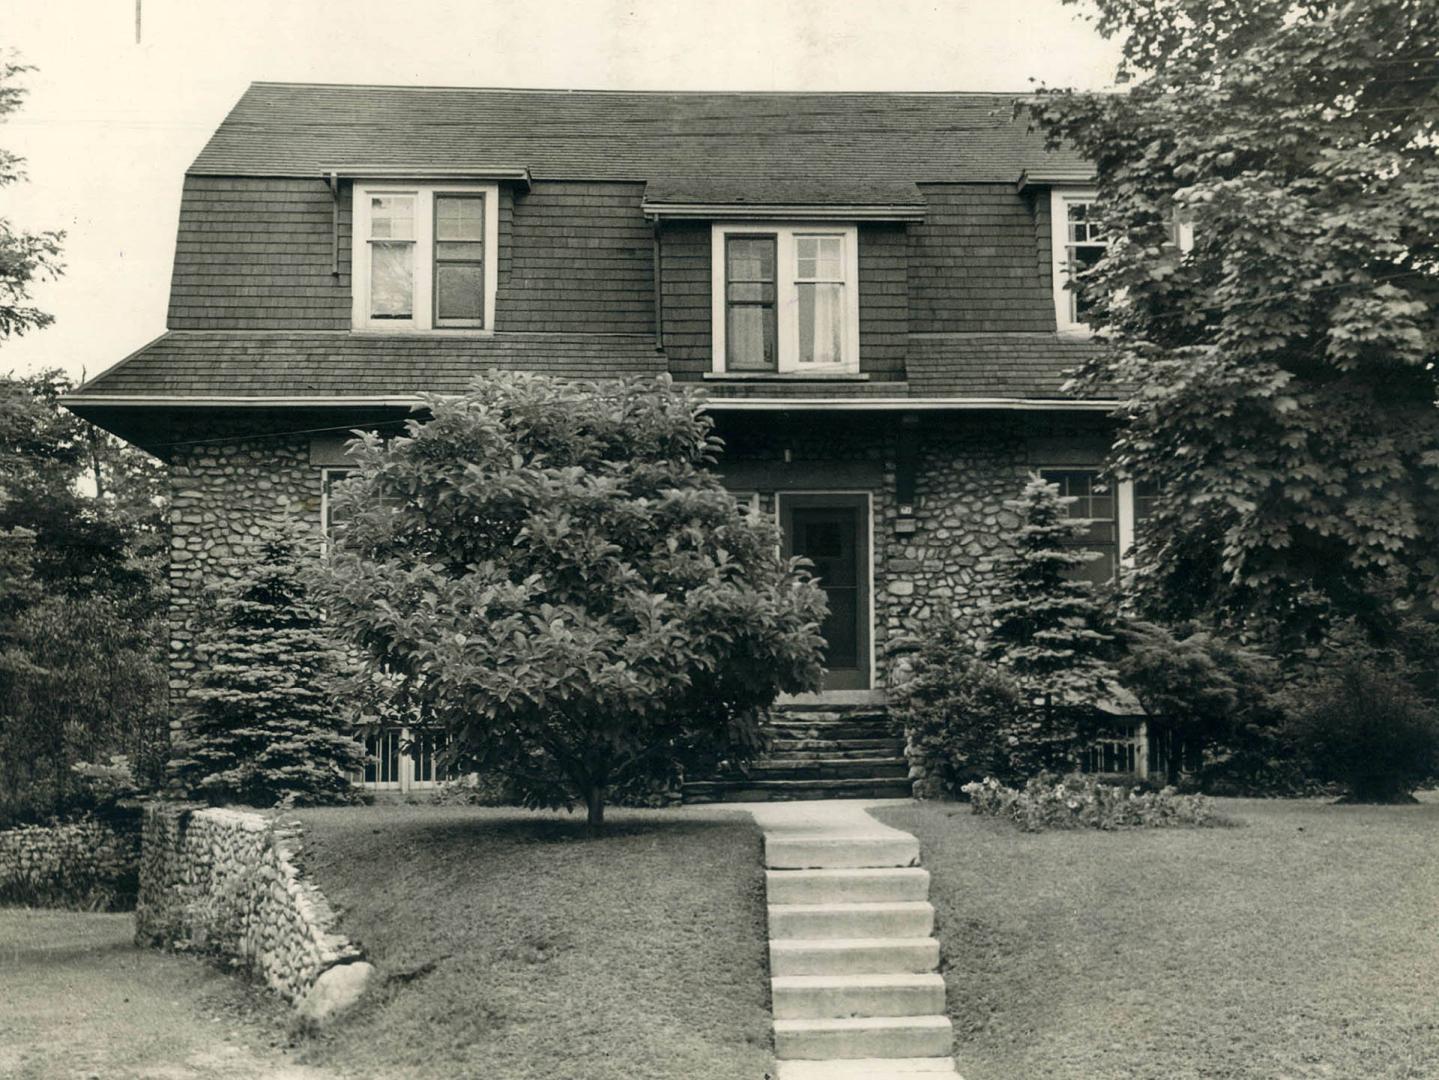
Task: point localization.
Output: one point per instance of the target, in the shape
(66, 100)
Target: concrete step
(816, 768)
(808, 997)
(847, 886)
(755, 790)
(830, 730)
(863, 1037)
(906, 919)
(853, 956)
(878, 747)
(825, 851)
(869, 1069)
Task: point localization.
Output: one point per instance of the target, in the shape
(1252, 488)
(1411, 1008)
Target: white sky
(110, 126)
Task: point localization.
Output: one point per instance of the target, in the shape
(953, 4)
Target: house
(870, 286)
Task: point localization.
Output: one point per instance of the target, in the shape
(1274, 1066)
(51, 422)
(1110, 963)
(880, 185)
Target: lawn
(78, 1000)
(1303, 944)
(510, 946)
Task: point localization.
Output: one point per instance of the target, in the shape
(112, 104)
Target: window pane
(750, 258)
(820, 323)
(392, 217)
(819, 257)
(392, 285)
(332, 520)
(457, 251)
(459, 291)
(750, 338)
(459, 217)
(1094, 502)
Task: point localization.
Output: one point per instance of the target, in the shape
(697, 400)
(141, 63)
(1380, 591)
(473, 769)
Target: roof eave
(657, 211)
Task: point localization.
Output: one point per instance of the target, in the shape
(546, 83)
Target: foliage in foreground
(551, 572)
(1084, 802)
(266, 725)
(1282, 369)
(82, 637)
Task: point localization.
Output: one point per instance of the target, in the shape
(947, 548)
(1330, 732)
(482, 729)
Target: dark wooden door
(833, 533)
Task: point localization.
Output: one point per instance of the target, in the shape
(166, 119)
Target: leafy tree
(1046, 626)
(25, 257)
(559, 581)
(1281, 373)
(265, 725)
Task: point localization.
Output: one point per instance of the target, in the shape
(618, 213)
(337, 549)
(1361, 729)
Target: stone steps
(704, 791)
(853, 961)
(816, 752)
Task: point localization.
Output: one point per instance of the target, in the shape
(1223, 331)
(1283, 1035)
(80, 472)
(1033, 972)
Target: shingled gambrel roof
(300, 129)
(993, 365)
(332, 364)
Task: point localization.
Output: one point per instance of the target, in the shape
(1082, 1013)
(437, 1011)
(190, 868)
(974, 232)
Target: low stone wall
(89, 864)
(225, 882)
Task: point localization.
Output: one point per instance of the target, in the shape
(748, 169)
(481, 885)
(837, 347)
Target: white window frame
(786, 294)
(1124, 521)
(423, 249)
(1059, 200)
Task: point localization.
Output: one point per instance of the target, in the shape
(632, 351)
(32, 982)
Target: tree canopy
(1279, 375)
(25, 257)
(554, 575)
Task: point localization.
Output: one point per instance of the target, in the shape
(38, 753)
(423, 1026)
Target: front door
(832, 532)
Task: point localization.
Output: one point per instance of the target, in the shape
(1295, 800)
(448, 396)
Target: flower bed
(1083, 802)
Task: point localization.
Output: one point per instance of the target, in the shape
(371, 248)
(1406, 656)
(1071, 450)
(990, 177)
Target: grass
(1303, 944)
(79, 1000)
(510, 946)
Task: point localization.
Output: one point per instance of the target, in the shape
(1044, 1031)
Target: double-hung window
(1077, 243)
(1094, 501)
(786, 299)
(423, 256)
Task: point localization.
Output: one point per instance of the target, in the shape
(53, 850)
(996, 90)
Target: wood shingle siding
(577, 258)
(883, 300)
(977, 264)
(685, 253)
(256, 254)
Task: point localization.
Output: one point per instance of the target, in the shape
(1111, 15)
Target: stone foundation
(225, 882)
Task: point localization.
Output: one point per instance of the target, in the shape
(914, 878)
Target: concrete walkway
(853, 960)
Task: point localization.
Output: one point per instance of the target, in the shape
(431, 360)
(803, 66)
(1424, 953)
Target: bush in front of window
(561, 582)
(266, 726)
(965, 719)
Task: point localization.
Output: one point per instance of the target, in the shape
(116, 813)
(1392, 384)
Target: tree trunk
(595, 803)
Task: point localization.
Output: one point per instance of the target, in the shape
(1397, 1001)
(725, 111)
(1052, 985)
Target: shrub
(266, 726)
(964, 719)
(1365, 726)
(1083, 802)
(558, 578)
(1222, 702)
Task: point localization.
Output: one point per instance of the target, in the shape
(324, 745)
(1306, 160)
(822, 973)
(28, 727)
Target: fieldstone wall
(224, 496)
(225, 882)
(90, 864)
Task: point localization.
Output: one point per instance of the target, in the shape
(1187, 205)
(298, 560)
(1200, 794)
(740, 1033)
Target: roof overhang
(97, 401)
(657, 211)
(512, 174)
(1074, 176)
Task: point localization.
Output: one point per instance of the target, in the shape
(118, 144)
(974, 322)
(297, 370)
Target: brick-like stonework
(225, 882)
(89, 864)
(224, 495)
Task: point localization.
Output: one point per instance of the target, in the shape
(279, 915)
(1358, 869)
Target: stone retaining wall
(226, 882)
(89, 864)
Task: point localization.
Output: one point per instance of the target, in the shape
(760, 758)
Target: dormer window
(423, 256)
(1077, 243)
(786, 298)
